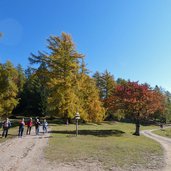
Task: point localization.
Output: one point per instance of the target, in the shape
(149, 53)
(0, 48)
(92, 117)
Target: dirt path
(166, 144)
(21, 154)
(26, 154)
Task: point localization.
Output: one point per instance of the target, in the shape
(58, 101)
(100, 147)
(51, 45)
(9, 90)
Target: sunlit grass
(111, 144)
(164, 132)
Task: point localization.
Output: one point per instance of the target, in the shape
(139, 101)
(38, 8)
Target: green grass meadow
(110, 143)
(164, 132)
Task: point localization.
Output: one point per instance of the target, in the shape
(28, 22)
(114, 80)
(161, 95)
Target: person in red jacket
(29, 126)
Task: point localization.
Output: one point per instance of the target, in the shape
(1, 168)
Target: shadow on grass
(98, 133)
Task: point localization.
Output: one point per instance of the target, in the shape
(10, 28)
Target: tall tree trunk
(137, 128)
(66, 119)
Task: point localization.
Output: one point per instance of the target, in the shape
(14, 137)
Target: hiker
(5, 125)
(45, 126)
(37, 125)
(35, 120)
(161, 125)
(29, 126)
(21, 128)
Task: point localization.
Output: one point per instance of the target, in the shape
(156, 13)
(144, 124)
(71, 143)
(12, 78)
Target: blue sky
(129, 38)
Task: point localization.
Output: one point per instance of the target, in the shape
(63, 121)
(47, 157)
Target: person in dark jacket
(6, 125)
(37, 125)
(21, 128)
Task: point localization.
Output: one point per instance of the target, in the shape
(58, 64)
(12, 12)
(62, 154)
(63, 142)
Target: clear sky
(129, 38)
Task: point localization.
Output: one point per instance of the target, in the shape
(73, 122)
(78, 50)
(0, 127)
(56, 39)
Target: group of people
(22, 124)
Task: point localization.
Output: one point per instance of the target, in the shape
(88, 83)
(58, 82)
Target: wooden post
(77, 127)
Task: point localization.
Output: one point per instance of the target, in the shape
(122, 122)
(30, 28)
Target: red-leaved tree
(139, 100)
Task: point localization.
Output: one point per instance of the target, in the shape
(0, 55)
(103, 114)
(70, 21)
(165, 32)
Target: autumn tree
(91, 106)
(166, 117)
(137, 100)
(8, 88)
(64, 66)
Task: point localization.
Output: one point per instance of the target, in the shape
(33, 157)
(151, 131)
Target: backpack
(6, 124)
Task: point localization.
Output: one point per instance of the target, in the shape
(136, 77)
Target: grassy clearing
(111, 144)
(164, 132)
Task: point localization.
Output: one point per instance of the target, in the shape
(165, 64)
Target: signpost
(77, 117)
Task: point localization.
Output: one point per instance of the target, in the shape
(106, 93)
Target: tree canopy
(8, 88)
(65, 74)
(138, 100)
